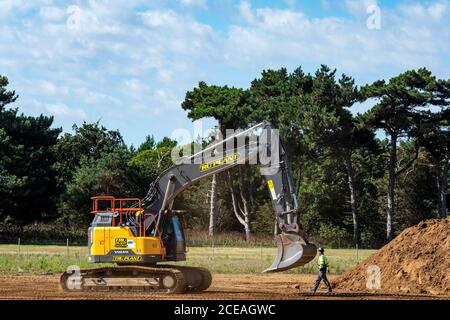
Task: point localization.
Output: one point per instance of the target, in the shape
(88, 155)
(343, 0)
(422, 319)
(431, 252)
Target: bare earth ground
(224, 287)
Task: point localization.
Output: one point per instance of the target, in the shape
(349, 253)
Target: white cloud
(277, 37)
(434, 12)
(160, 18)
(194, 3)
(325, 4)
(359, 8)
(94, 19)
(438, 10)
(176, 33)
(282, 20)
(134, 85)
(48, 88)
(122, 61)
(171, 20)
(96, 98)
(52, 14)
(290, 3)
(8, 7)
(60, 110)
(166, 100)
(165, 75)
(63, 111)
(245, 10)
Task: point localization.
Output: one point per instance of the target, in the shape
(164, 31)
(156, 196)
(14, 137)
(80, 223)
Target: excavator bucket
(293, 251)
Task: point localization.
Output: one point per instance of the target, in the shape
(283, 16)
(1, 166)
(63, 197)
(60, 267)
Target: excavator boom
(259, 145)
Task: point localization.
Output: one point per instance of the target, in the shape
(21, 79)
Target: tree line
(360, 177)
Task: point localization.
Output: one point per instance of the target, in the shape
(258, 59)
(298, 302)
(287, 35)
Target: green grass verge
(55, 259)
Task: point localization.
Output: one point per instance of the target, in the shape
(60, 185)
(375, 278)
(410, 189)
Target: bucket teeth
(293, 251)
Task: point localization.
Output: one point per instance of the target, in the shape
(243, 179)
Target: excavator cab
(124, 233)
(118, 235)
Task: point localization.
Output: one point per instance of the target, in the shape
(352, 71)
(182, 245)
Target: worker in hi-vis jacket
(324, 266)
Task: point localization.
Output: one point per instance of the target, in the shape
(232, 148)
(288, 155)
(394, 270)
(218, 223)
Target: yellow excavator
(141, 235)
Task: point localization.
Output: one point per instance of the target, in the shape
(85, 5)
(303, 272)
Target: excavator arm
(258, 145)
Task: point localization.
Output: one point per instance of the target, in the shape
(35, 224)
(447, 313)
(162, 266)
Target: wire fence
(192, 242)
(27, 242)
(220, 257)
(189, 242)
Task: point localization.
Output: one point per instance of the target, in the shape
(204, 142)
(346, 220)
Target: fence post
(261, 256)
(18, 244)
(67, 245)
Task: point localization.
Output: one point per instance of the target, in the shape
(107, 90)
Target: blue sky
(129, 63)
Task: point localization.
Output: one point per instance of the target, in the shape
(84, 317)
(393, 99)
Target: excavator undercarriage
(160, 279)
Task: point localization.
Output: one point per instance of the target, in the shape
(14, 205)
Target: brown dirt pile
(416, 261)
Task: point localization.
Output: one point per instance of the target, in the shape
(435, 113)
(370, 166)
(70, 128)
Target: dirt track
(224, 287)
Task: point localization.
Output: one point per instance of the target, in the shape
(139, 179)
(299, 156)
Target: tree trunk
(213, 208)
(245, 210)
(390, 228)
(243, 216)
(353, 202)
(247, 228)
(213, 203)
(442, 183)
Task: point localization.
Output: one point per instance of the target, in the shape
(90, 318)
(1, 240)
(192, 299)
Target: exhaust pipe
(293, 251)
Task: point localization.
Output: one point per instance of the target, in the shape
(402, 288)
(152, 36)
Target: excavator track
(198, 279)
(159, 279)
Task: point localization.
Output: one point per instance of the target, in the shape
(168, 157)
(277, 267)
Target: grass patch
(56, 259)
(254, 260)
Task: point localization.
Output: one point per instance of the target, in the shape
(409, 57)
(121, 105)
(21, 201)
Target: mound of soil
(416, 261)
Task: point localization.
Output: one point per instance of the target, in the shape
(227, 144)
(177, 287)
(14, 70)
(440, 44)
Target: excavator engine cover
(293, 251)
